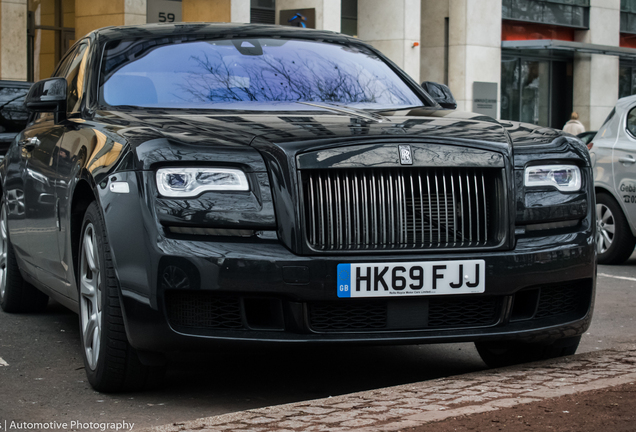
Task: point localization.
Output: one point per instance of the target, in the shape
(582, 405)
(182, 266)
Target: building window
(349, 17)
(263, 11)
(628, 16)
(569, 13)
(627, 79)
(50, 33)
(536, 90)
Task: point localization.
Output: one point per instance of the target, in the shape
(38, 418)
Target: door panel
(39, 149)
(624, 165)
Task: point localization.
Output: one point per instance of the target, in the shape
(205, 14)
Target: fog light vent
(203, 310)
(221, 232)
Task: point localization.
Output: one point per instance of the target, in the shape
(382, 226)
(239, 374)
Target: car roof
(625, 102)
(229, 30)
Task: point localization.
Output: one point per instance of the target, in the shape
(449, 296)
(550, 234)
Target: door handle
(627, 159)
(29, 143)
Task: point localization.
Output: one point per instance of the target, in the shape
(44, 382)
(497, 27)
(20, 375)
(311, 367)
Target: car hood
(158, 135)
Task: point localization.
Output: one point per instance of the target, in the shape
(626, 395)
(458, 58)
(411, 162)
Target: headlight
(190, 182)
(566, 178)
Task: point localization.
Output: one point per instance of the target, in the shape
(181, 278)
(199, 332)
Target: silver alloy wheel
(90, 296)
(4, 245)
(605, 228)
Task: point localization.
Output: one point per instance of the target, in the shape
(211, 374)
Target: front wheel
(111, 363)
(614, 239)
(507, 353)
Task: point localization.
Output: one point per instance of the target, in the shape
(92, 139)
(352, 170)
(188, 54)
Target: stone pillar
(236, 11)
(94, 14)
(328, 12)
(13, 40)
(394, 29)
(474, 47)
(596, 75)
(434, 48)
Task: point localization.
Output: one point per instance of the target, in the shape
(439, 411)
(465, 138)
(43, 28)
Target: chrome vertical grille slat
(413, 212)
(454, 211)
(419, 179)
(430, 209)
(347, 203)
(476, 205)
(483, 188)
(389, 210)
(439, 216)
(384, 209)
(400, 208)
(312, 210)
(470, 211)
(356, 195)
(445, 205)
(461, 203)
(374, 197)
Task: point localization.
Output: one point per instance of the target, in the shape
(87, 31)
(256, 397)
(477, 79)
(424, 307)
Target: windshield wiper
(369, 115)
(400, 108)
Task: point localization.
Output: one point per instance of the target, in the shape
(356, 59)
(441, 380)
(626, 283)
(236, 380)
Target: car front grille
(401, 208)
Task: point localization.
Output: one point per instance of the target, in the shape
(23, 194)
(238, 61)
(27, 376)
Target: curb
(411, 405)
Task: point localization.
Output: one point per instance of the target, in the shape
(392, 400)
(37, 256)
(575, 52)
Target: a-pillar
(93, 14)
(13, 40)
(328, 12)
(236, 11)
(394, 29)
(596, 75)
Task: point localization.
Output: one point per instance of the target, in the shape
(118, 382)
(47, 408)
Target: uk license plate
(411, 278)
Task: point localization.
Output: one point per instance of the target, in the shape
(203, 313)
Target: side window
(75, 78)
(631, 121)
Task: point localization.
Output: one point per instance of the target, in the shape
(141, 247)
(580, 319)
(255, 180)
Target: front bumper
(190, 294)
(262, 292)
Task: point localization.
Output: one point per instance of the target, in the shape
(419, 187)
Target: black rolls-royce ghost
(185, 184)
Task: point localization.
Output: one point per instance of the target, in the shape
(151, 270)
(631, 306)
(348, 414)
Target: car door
(624, 164)
(39, 146)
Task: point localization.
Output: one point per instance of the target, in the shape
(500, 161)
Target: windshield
(257, 74)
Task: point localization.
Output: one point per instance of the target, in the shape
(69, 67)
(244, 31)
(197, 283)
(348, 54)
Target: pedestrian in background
(574, 126)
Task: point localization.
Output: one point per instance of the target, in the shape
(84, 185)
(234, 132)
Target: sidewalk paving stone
(412, 405)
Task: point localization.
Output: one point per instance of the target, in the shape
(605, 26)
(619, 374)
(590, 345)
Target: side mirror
(48, 95)
(440, 94)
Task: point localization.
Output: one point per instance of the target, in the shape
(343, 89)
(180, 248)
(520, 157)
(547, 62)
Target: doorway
(536, 90)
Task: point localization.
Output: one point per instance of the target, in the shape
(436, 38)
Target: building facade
(530, 60)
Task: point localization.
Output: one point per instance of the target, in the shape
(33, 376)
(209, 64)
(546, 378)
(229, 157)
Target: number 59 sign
(161, 11)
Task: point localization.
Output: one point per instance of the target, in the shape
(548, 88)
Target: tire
(16, 294)
(614, 239)
(507, 353)
(111, 364)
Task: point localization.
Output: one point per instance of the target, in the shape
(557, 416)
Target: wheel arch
(83, 196)
(600, 189)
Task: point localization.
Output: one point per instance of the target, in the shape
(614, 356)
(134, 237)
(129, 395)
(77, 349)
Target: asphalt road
(43, 378)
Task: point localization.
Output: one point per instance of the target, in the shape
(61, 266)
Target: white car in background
(613, 153)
